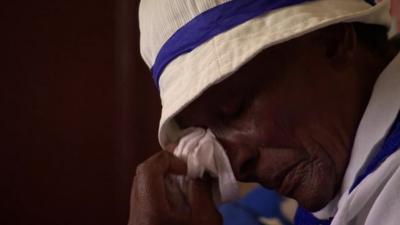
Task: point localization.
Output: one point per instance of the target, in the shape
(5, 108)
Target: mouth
(290, 182)
(287, 181)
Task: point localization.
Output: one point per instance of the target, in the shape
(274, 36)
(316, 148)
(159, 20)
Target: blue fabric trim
(211, 23)
(303, 217)
(389, 146)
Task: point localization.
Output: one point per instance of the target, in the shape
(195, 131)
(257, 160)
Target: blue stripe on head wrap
(212, 23)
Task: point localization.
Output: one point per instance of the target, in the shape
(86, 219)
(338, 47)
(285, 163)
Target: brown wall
(78, 111)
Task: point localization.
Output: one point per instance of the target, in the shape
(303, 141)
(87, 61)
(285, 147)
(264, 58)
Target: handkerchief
(204, 155)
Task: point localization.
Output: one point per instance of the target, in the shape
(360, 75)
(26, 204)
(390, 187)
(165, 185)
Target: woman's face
(287, 120)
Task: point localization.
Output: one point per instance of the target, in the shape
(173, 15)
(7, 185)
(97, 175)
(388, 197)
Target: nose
(242, 156)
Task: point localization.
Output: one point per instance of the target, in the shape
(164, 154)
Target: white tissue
(204, 154)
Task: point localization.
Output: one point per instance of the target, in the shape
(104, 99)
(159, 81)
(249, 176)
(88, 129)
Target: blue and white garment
(376, 199)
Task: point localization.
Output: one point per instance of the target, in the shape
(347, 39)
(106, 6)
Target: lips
(285, 182)
(289, 182)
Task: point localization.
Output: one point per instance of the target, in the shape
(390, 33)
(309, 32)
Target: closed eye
(231, 110)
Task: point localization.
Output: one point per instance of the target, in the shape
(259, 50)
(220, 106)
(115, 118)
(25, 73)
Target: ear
(339, 43)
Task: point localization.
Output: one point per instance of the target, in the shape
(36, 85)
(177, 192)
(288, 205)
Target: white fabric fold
(374, 199)
(204, 155)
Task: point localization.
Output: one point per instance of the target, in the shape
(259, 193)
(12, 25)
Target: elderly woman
(303, 96)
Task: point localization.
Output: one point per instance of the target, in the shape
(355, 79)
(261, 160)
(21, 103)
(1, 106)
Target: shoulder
(384, 206)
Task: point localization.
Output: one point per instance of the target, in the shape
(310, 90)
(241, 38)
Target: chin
(317, 189)
(314, 202)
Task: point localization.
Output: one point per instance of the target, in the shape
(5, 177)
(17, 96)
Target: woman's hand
(149, 197)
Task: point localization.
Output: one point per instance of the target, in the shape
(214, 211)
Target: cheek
(275, 121)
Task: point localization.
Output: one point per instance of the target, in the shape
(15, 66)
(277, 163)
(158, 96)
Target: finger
(171, 147)
(176, 166)
(132, 203)
(143, 211)
(164, 163)
(180, 218)
(150, 179)
(200, 195)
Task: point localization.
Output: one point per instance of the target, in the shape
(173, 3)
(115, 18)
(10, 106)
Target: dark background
(78, 111)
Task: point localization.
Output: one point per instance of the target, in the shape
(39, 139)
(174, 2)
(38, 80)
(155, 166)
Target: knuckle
(151, 162)
(156, 164)
(141, 168)
(157, 159)
(162, 156)
(162, 160)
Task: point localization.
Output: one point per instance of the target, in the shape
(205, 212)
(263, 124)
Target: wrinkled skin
(287, 120)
